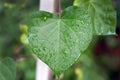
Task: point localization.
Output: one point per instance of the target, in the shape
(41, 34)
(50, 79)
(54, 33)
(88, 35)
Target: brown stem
(58, 8)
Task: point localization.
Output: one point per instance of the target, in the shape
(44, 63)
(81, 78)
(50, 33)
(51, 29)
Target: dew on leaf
(68, 40)
(82, 22)
(66, 52)
(42, 40)
(45, 18)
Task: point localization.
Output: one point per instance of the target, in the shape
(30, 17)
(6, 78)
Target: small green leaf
(102, 13)
(7, 69)
(59, 41)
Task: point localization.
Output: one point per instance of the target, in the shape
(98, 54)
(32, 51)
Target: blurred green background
(13, 15)
(100, 62)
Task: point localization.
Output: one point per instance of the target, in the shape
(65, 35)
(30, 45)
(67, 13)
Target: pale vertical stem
(43, 72)
(48, 5)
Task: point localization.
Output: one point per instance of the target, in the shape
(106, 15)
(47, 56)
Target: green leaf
(69, 3)
(102, 13)
(2, 40)
(59, 41)
(7, 69)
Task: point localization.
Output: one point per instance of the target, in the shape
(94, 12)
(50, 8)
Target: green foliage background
(13, 14)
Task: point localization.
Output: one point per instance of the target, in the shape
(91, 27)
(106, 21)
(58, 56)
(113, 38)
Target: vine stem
(58, 8)
(59, 77)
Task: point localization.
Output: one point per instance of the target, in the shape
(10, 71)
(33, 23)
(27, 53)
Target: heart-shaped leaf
(103, 15)
(59, 41)
(7, 69)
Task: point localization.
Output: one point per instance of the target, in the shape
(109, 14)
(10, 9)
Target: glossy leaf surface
(7, 69)
(59, 41)
(102, 14)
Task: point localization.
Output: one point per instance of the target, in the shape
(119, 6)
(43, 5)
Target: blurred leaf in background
(66, 3)
(26, 68)
(7, 69)
(89, 70)
(118, 12)
(1, 44)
